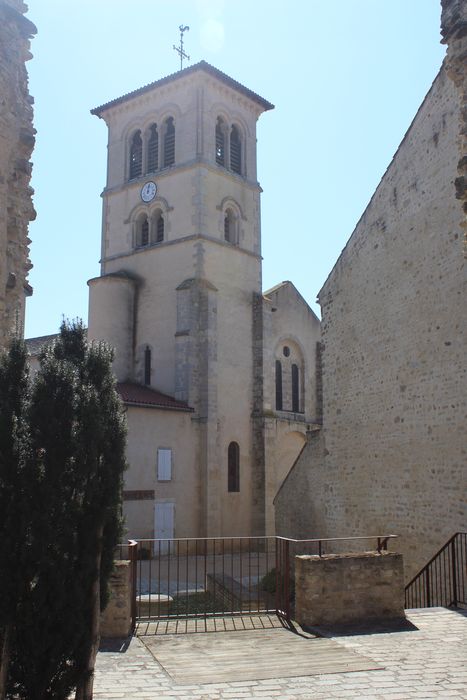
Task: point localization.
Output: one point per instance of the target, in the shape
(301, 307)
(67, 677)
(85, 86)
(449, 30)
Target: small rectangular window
(164, 464)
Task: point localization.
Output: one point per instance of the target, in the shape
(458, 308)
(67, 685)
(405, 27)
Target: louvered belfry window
(136, 156)
(160, 229)
(169, 143)
(153, 149)
(235, 151)
(220, 143)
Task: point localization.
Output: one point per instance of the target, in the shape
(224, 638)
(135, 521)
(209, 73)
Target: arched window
(169, 142)
(220, 142)
(153, 149)
(230, 233)
(145, 232)
(235, 151)
(158, 227)
(233, 467)
(278, 385)
(289, 379)
(142, 231)
(136, 156)
(295, 389)
(160, 230)
(147, 365)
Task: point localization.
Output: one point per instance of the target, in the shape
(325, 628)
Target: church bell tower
(181, 265)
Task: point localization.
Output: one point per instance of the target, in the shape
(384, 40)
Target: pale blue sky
(346, 76)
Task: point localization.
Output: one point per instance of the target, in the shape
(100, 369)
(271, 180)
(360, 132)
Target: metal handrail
(435, 556)
(443, 580)
(382, 540)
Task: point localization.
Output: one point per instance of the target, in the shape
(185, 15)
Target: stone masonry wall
(116, 618)
(345, 589)
(454, 33)
(16, 144)
(394, 372)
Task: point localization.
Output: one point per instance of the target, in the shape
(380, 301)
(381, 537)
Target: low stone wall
(116, 618)
(349, 588)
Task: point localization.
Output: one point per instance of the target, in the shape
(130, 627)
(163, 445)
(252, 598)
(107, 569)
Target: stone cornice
(203, 67)
(165, 172)
(177, 241)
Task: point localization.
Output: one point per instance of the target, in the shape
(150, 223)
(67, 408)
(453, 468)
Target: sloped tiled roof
(202, 65)
(138, 395)
(35, 345)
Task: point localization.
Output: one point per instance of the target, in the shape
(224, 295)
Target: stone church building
(244, 416)
(218, 378)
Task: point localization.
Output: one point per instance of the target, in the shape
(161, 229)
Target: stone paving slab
(427, 662)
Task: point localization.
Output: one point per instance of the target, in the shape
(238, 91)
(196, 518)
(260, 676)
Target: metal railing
(443, 580)
(225, 576)
(288, 548)
(193, 577)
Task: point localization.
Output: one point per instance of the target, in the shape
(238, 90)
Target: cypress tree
(17, 483)
(49, 624)
(78, 443)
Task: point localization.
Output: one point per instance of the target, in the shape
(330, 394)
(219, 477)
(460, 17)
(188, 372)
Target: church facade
(218, 378)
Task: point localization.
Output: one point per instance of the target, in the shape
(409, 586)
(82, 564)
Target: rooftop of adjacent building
(131, 393)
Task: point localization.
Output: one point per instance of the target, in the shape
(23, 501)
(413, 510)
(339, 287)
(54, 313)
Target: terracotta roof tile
(138, 395)
(35, 345)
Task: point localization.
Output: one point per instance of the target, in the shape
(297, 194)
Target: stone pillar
(338, 589)
(116, 618)
(258, 516)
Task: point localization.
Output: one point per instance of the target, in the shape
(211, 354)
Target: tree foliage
(76, 439)
(16, 487)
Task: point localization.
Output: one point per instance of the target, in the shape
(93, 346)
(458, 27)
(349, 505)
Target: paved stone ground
(427, 661)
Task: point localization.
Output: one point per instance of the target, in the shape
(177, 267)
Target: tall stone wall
(454, 33)
(16, 144)
(393, 449)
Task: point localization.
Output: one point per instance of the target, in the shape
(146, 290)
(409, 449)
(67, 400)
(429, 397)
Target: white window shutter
(164, 464)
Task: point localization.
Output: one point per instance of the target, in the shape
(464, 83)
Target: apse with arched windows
(289, 382)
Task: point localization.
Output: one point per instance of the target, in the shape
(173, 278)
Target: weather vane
(179, 49)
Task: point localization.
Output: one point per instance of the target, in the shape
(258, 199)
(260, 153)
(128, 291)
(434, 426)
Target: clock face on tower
(148, 191)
